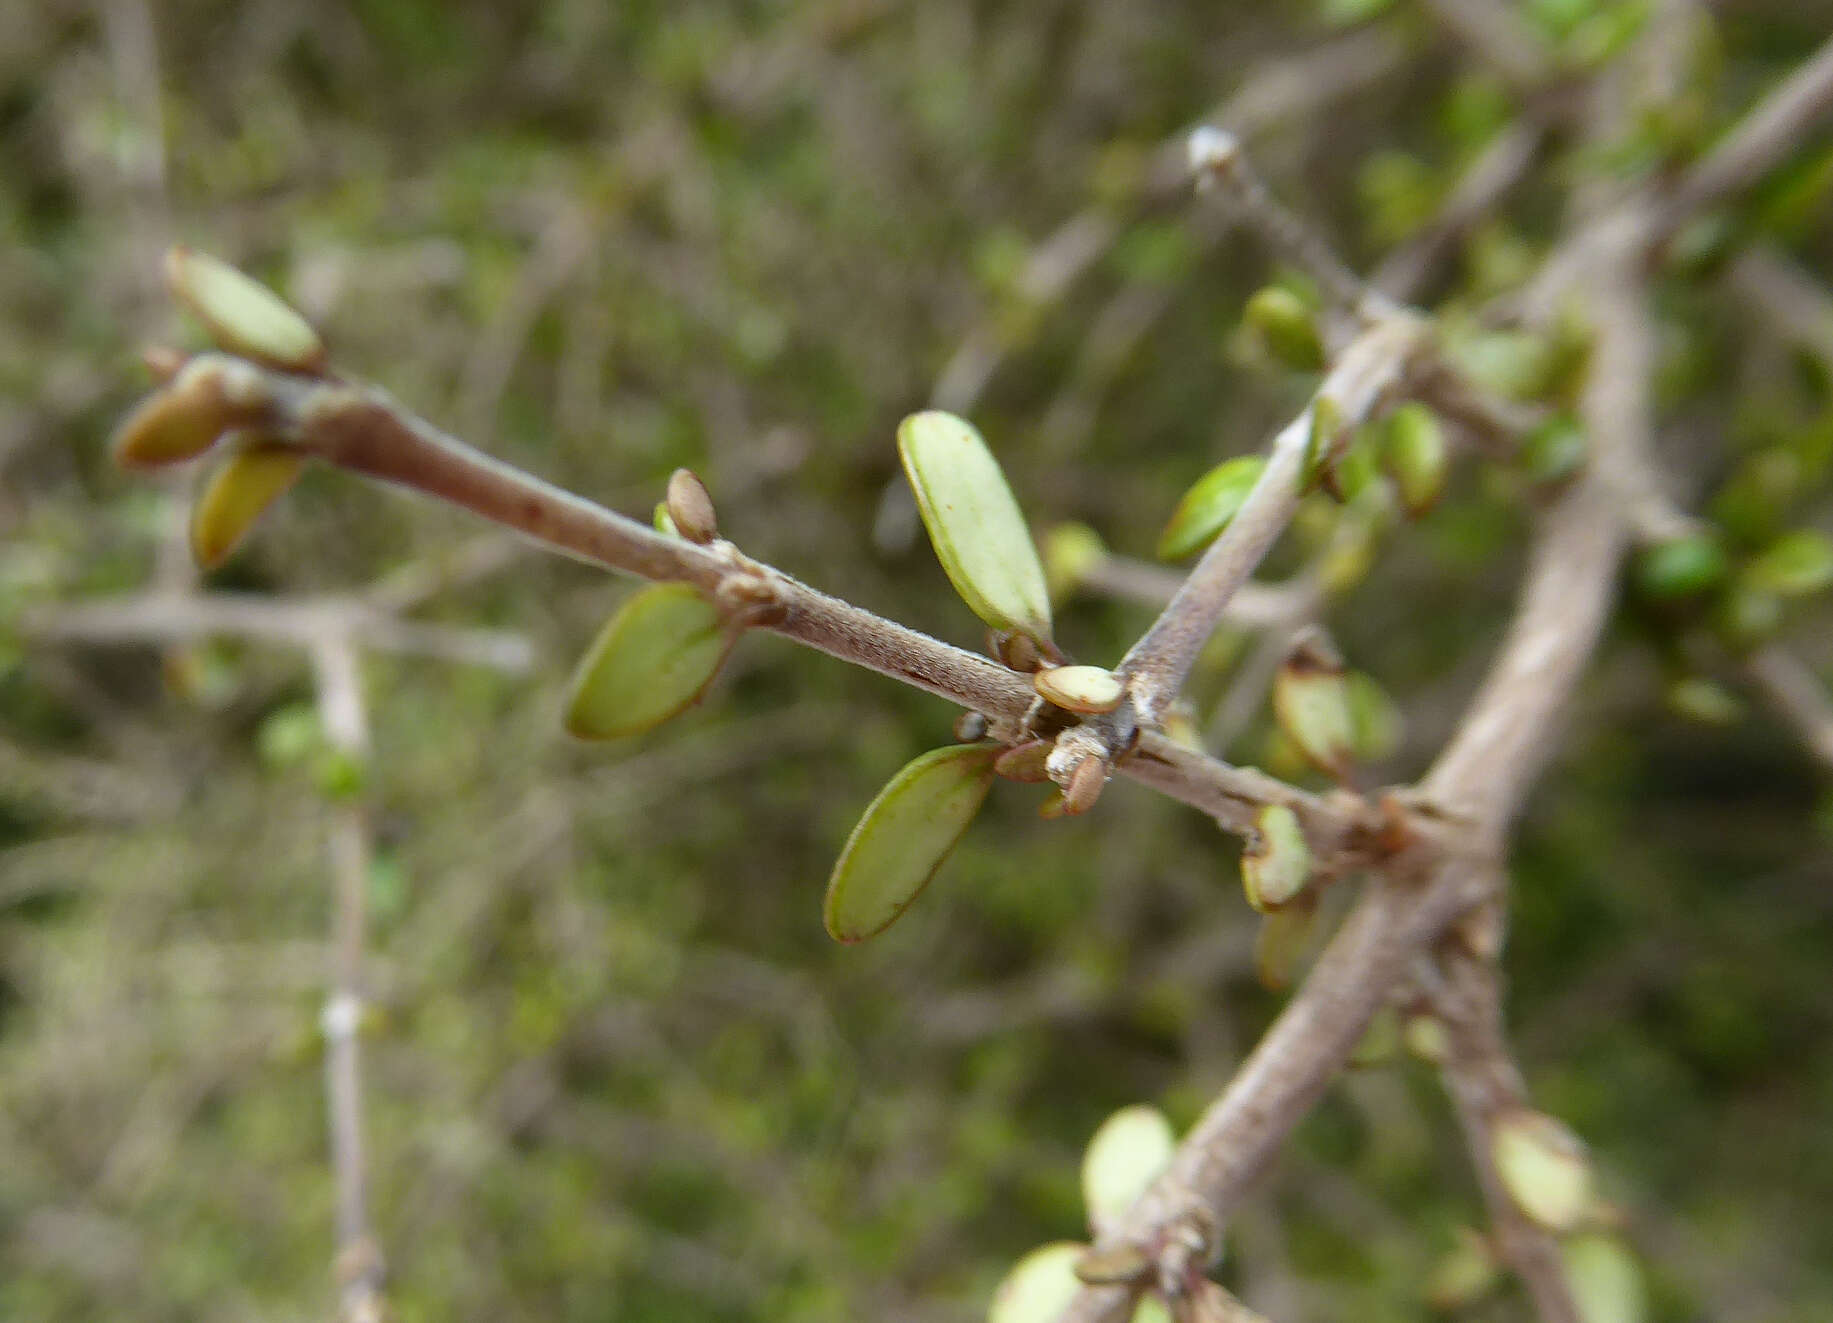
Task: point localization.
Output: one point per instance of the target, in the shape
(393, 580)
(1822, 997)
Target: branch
(1288, 1070)
(358, 1265)
(1762, 139)
(1483, 1083)
(1217, 162)
(1496, 32)
(1275, 92)
(1509, 731)
(1503, 164)
(302, 622)
(1370, 372)
(361, 429)
(1797, 696)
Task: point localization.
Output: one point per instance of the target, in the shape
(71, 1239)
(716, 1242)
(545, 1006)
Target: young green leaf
(1283, 939)
(243, 316)
(1040, 1285)
(1206, 509)
(974, 523)
(1311, 702)
(1680, 567)
(1543, 1166)
(206, 398)
(236, 496)
(1276, 864)
(1286, 327)
(1794, 565)
(1413, 451)
(1125, 1156)
(904, 836)
(652, 660)
(1606, 1280)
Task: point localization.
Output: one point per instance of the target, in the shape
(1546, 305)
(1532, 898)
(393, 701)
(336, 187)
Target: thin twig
(362, 430)
(1762, 139)
(1497, 33)
(1370, 372)
(1484, 1082)
(1276, 92)
(1797, 696)
(299, 622)
(358, 1266)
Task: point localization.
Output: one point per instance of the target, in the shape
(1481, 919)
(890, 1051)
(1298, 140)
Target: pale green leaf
(1276, 864)
(1208, 506)
(1606, 1280)
(243, 316)
(652, 660)
(974, 523)
(1130, 1150)
(236, 496)
(1040, 1285)
(1795, 564)
(904, 836)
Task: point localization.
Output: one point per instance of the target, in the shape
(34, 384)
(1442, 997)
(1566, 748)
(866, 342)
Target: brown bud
(691, 507)
(1085, 785)
(1015, 649)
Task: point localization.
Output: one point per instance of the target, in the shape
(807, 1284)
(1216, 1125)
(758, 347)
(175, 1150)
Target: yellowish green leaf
(1040, 1285)
(903, 837)
(1128, 1153)
(974, 523)
(1209, 505)
(1543, 1166)
(242, 315)
(653, 659)
(1606, 1280)
(236, 496)
(1276, 863)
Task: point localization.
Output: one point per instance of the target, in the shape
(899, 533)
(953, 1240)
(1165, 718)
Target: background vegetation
(615, 1068)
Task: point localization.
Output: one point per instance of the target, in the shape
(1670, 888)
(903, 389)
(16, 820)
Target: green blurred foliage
(614, 1068)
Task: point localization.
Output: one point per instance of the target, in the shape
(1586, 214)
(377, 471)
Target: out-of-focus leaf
(1311, 704)
(1040, 1285)
(1071, 553)
(1277, 862)
(1374, 718)
(1794, 565)
(652, 660)
(1606, 1280)
(1125, 1156)
(242, 315)
(1205, 510)
(205, 399)
(1413, 452)
(974, 523)
(1543, 1166)
(1286, 327)
(1681, 567)
(235, 498)
(1282, 940)
(903, 837)
(1465, 1275)
(1554, 451)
